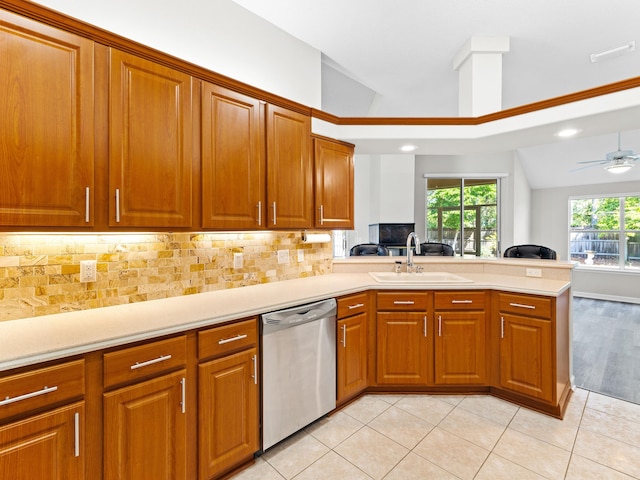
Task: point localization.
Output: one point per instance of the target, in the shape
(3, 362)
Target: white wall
(550, 226)
(218, 35)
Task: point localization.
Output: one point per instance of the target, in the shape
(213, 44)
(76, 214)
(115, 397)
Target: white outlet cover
(237, 260)
(283, 256)
(300, 255)
(88, 271)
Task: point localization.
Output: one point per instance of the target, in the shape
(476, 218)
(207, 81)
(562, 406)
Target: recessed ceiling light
(408, 148)
(567, 132)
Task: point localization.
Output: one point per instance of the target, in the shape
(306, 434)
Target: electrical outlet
(283, 256)
(88, 271)
(300, 255)
(237, 260)
(534, 272)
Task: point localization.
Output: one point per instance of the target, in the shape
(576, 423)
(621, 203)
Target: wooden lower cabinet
(351, 356)
(460, 348)
(526, 356)
(404, 355)
(145, 433)
(49, 446)
(228, 412)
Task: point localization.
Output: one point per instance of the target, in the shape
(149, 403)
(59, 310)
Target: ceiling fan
(619, 161)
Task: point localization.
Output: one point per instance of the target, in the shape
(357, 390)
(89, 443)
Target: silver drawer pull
(522, 305)
(403, 302)
(222, 341)
(461, 301)
(161, 358)
(26, 396)
(357, 305)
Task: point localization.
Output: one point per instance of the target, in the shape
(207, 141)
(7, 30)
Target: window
(463, 212)
(604, 232)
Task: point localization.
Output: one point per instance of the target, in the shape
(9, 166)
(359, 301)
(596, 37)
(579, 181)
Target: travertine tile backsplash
(40, 274)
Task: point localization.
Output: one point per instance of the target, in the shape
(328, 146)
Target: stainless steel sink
(419, 277)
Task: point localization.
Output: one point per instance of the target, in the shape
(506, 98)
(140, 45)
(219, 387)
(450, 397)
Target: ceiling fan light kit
(617, 162)
(618, 168)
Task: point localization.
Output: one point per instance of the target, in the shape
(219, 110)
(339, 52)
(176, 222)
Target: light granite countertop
(32, 340)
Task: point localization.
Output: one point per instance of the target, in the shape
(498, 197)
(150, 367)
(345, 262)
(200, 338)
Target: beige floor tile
(261, 470)
(332, 467)
(401, 427)
(366, 408)
(611, 426)
(295, 454)
(613, 406)
(498, 468)
(610, 452)
(452, 399)
(371, 452)
(577, 403)
(581, 468)
(452, 453)
(557, 432)
(533, 454)
(334, 429)
(478, 430)
(500, 411)
(414, 467)
(425, 407)
(392, 399)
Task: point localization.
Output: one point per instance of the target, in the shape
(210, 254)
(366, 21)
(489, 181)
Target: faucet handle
(398, 266)
(419, 268)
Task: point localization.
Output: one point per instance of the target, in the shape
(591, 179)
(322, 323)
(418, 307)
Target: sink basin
(421, 277)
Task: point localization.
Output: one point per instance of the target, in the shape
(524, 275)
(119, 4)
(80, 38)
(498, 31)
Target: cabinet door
(526, 356)
(150, 136)
(232, 160)
(228, 412)
(145, 430)
(46, 125)
(352, 356)
(460, 348)
(404, 354)
(334, 184)
(48, 446)
(289, 169)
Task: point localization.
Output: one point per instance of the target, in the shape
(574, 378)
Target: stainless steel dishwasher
(298, 368)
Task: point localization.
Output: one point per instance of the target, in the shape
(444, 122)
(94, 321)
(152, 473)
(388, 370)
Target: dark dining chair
(530, 251)
(436, 249)
(368, 249)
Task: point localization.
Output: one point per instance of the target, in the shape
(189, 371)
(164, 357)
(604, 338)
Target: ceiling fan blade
(586, 166)
(596, 161)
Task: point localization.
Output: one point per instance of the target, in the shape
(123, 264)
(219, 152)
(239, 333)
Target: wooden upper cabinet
(46, 125)
(334, 184)
(233, 166)
(150, 144)
(289, 169)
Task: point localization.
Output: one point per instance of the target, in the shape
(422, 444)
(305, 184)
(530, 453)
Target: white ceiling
(395, 59)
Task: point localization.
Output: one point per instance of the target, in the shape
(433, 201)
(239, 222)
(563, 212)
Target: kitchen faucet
(416, 242)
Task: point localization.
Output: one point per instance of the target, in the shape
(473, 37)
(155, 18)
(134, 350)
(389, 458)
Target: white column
(479, 65)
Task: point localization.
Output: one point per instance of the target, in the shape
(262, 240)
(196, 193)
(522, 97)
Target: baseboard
(611, 298)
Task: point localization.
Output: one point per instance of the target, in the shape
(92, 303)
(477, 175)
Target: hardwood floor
(606, 347)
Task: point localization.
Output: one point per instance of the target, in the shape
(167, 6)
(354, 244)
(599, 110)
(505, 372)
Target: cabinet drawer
(414, 301)
(459, 300)
(41, 387)
(352, 305)
(134, 363)
(525, 305)
(228, 338)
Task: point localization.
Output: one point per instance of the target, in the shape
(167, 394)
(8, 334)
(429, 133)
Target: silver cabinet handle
(522, 305)
(117, 205)
(254, 359)
(259, 206)
(26, 396)
(439, 325)
(344, 336)
(161, 358)
(424, 327)
(461, 301)
(86, 205)
(501, 327)
(403, 302)
(222, 341)
(273, 205)
(321, 214)
(357, 305)
(183, 393)
(76, 434)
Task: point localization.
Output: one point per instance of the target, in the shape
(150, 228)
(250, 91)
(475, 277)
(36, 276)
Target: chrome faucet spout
(416, 242)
